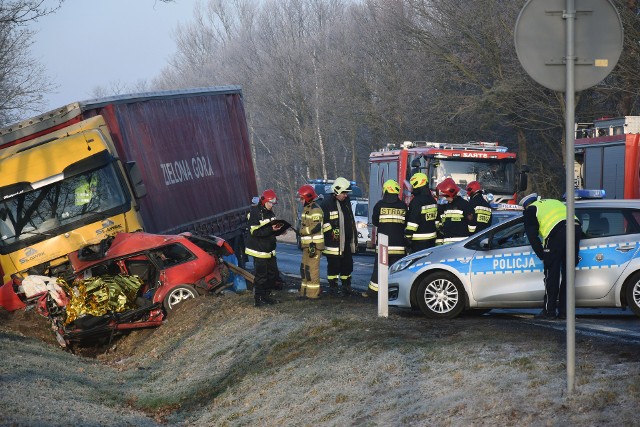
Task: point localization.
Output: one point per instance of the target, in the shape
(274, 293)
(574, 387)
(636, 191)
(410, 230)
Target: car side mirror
(484, 243)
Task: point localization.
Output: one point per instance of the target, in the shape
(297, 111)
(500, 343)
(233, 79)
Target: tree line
(326, 82)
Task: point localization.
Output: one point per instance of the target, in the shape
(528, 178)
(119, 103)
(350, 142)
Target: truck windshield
(496, 177)
(60, 206)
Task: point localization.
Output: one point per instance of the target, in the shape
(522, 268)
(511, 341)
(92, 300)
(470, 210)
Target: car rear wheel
(440, 296)
(178, 295)
(633, 293)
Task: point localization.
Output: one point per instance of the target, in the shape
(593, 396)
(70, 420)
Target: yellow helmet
(419, 180)
(391, 187)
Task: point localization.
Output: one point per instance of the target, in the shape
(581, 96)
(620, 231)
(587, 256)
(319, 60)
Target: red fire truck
(487, 162)
(608, 156)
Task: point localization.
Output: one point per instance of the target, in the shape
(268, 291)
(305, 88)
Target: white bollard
(383, 275)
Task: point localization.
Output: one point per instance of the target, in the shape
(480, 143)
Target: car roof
(608, 203)
(124, 244)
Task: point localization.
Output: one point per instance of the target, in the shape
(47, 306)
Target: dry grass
(332, 362)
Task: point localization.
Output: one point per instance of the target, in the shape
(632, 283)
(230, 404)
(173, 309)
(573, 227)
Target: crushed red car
(129, 281)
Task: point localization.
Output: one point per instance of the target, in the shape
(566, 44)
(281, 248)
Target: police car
(497, 268)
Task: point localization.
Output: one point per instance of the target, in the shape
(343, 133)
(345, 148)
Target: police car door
(505, 270)
(609, 242)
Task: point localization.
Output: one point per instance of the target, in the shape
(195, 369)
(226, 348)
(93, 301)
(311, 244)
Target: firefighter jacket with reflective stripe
(261, 242)
(421, 218)
(481, 213)
(339, 226)
(311, 226)
(454, 219)
(389, 217)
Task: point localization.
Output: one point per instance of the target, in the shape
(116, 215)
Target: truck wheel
(177, 295)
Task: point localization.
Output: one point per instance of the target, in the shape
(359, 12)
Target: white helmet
(528, 199)
(340, 185)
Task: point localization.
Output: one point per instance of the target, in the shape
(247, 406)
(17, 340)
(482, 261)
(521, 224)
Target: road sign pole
(570, 17)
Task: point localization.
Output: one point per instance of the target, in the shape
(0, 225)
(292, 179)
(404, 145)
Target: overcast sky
(90, 43)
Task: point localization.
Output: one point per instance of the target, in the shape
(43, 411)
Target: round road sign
(540, 36)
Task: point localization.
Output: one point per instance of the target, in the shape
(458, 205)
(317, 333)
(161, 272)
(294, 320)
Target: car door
(610, 240)
(504, 270)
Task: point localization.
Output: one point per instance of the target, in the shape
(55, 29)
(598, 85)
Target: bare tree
(22, 81)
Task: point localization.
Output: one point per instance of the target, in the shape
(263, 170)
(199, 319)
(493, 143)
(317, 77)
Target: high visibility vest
(549, 212)
(86, 190)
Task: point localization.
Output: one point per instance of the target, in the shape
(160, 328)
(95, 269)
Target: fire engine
(486, 162)
(607, 156)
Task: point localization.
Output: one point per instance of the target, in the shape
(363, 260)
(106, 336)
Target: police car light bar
(583, 194)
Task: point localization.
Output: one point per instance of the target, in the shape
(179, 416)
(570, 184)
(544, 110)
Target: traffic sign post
(584, 60)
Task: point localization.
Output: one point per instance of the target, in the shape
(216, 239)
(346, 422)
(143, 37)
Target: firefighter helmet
(268, 196)
(528, 199)
(307, 194)
(391, 187)
(340, 185)
(473, 187)
(419, 180)
(448, 188)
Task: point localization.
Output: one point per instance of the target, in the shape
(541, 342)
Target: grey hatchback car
(497, 268)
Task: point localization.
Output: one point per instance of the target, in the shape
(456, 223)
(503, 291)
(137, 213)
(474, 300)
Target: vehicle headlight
(361, 224)
(406, 262)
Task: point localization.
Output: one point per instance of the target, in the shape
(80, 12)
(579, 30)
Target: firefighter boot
(269, 299)
(347, 289)
(333, 286)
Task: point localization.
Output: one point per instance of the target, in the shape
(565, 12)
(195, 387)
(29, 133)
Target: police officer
(340, 237)
(389, 216)
(421, 217)
(481, 208)
(454, 215)
(312, 242)
(546, 220)
(261, 245)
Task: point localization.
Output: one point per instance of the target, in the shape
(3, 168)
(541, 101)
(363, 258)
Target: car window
(604, 222)
(509, 235)
(175, 254)
(362, 209)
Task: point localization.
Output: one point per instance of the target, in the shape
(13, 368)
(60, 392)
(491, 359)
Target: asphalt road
(616, 323)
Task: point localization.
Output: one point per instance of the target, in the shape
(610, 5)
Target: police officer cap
(528, 199)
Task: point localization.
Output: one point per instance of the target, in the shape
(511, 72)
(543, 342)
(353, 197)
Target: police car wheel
(633, 293)
(440, 296)
(178, 295)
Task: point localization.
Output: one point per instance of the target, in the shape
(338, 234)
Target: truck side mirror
(523, 178)
(135, 178)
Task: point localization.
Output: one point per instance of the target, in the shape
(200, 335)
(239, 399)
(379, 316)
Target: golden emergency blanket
(100, 295)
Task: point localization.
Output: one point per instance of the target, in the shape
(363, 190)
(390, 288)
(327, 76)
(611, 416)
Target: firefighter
(547, 220)
(312, 242)
(261, 245)
(455, 214)
(421, 217)
(481, 208)
(340, 237)
(390, 218)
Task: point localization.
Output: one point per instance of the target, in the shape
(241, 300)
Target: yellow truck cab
(59, 192)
